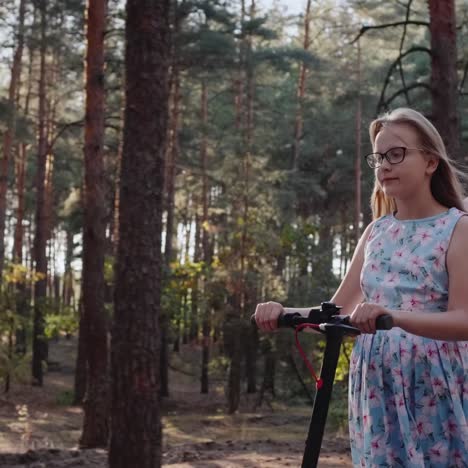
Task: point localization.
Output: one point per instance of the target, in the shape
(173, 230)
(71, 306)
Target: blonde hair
(446, 184)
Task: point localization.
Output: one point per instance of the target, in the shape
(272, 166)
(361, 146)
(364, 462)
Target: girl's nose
(385, 164)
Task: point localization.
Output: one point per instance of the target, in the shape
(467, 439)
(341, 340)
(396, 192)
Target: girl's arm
(348, 294)
(450, 325)
(465, 204)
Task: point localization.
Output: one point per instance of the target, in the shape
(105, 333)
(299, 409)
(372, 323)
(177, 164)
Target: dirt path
(40, 429)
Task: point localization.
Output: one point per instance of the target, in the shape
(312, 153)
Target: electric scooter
(324, 319)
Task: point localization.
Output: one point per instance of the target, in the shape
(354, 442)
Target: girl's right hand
(266, 315)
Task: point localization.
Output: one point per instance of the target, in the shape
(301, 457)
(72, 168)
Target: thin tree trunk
(206, 322)
(300, 379)
(96, 408)
(40, 238)
(357, 166)
(195, 286)
(169, 254)
(80, 366)
(10, 130)
(299, 122)
(268, 383)
(67, 289)
(241, 288)
(115, 232)
(23, 290)
(251, 335)
(172, 156)
(136, 419)
(444, 77)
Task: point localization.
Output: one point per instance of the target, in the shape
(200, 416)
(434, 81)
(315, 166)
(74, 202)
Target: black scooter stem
(313, 442)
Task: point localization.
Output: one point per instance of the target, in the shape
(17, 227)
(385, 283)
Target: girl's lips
(389, 179)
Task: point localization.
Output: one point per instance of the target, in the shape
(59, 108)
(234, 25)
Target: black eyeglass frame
(384, 155)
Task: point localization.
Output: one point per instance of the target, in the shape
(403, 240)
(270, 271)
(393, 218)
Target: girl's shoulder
(465, 204)
(461, 226)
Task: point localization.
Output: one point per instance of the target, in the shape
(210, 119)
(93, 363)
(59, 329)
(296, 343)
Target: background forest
(260, 181)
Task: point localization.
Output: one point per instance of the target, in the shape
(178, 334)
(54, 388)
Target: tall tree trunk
(23, 290)
(67, 288)
(136, 418)
(268, 383)
(299, 123)
(444, 78)
(80, 366)
(206, 322)
(357, 165)
(115, 231)
(96, 408)
(195, 289)
(241, 286)
(40, 238)
(169, 179)
(8, 136)
(251, 347)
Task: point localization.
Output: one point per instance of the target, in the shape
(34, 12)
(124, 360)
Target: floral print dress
(408, 395)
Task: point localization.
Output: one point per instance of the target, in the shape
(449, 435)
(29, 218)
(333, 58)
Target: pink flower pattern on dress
(408, 402)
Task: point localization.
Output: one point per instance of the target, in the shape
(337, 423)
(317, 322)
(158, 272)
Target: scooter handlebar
(293, 319)
(382, 322)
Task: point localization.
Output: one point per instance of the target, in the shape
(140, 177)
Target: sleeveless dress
(408, 395)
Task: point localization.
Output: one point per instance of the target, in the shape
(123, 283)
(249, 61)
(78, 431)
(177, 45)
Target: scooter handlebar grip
(384, 322)
(285, 320)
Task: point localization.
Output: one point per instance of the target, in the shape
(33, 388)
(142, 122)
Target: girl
(408, 387)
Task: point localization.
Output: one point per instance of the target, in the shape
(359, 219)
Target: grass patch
(65, 398)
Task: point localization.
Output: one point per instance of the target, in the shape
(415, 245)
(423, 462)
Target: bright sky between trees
(294, 7)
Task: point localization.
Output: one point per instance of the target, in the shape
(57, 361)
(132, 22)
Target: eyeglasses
(393, 156)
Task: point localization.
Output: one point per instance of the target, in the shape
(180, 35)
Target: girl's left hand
(364, 316)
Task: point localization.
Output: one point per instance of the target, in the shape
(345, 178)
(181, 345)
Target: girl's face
(406, 178)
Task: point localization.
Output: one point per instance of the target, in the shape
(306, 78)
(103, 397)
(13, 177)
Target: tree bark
(444, 77)
(241, 285)
(10, 130)
(80, 366)
(41, 223)
(357, 165)
(169, 179)
(194, 293)
(23, 290)
(206, 322)
(136, 418)
(96, 408)
(299, 123)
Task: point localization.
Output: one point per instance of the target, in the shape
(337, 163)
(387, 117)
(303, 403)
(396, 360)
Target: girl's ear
(432, 164)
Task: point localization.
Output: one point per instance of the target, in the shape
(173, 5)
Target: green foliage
(65, 398)
(218, 368)
(65, 322)
(15, 367)
(109, 269)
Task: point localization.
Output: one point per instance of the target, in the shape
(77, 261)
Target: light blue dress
(408, 395)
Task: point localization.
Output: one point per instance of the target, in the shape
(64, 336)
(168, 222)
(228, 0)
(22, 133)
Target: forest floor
(39, 428)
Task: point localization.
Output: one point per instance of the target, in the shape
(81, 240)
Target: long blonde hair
(446, 184)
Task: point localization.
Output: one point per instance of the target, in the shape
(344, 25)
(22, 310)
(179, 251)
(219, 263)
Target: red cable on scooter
(318, 381)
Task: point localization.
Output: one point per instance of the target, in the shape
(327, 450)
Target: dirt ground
(40, 429)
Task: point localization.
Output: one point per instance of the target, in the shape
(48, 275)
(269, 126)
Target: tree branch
(364, 29)
(408, 88)
(403, 36)
(60, 132)
(392, 68)
(462, 82)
